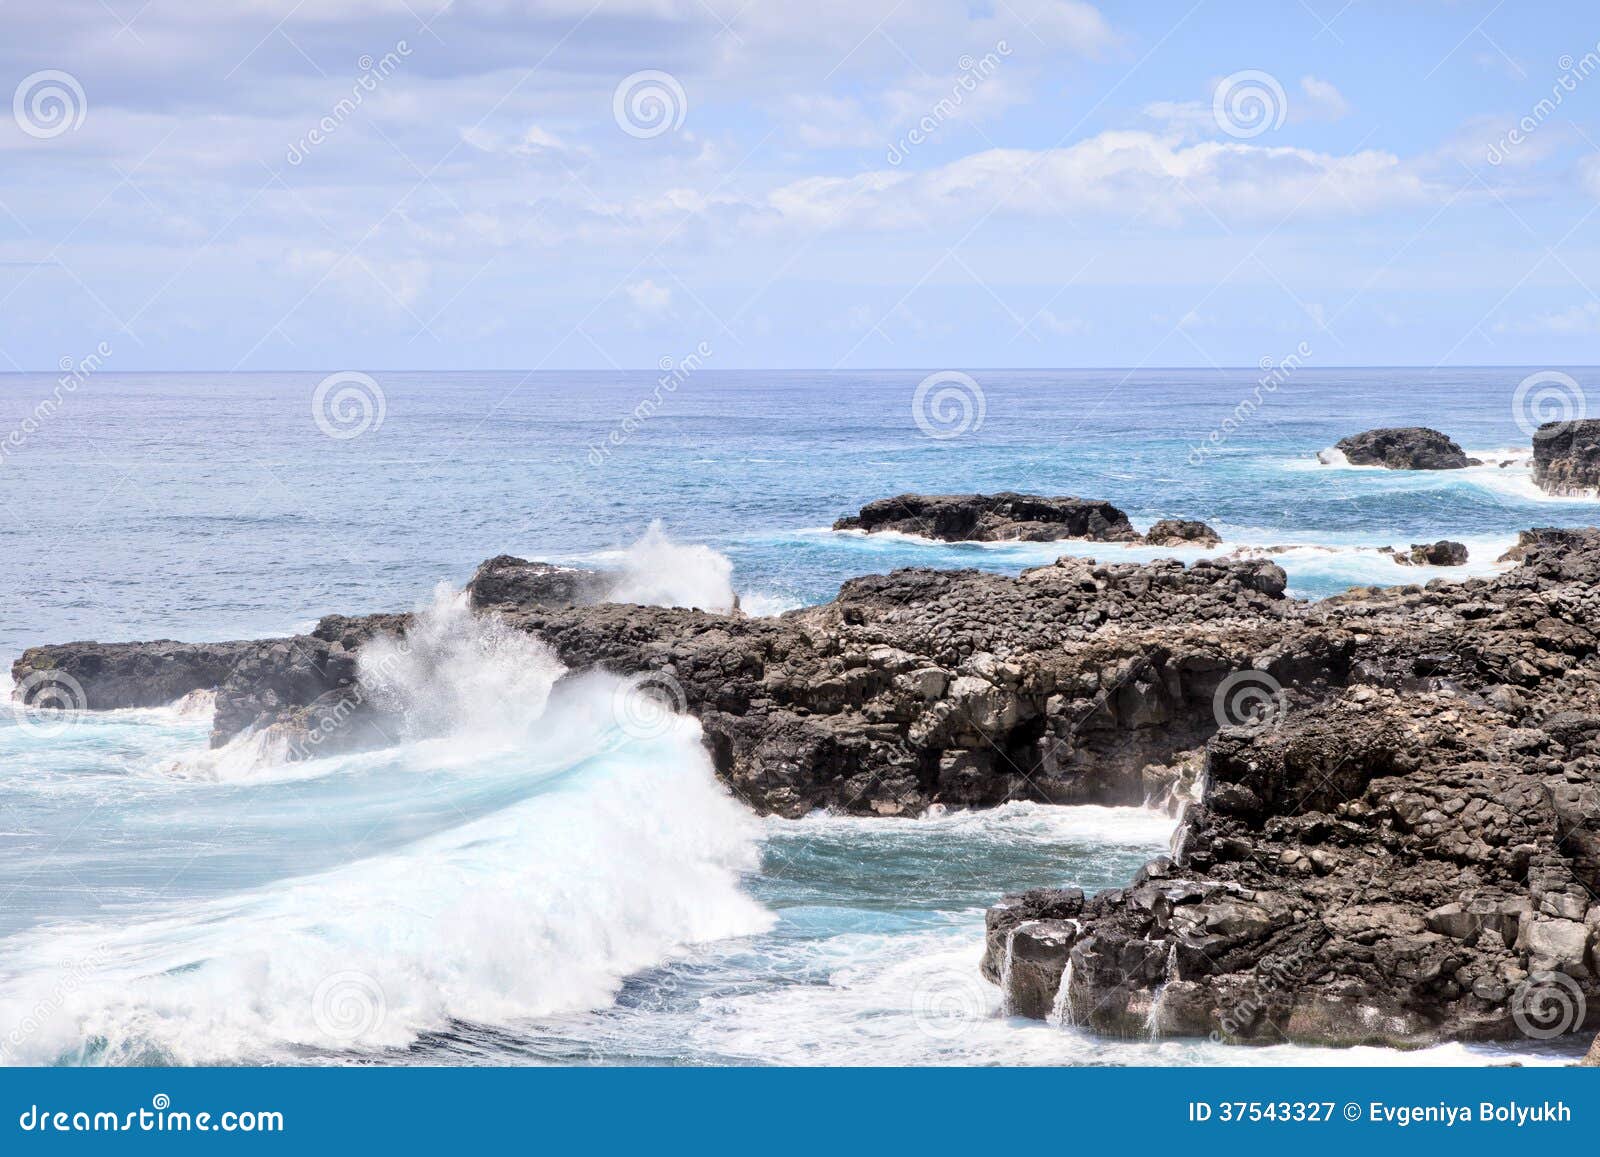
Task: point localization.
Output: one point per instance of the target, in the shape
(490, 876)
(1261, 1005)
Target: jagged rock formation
(993, 518)
(1407, 857)
(1445, 552)
(1398, 831)
(1404, 448)
(1566, 457)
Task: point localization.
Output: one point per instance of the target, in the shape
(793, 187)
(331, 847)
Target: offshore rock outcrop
(1404, 448)
(993, 518)
(1566, 457)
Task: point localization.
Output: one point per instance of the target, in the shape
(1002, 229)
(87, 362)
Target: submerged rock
(993, 518)
(1404, 448)
(1566, 457)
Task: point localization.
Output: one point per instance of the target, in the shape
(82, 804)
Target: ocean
(509, 885)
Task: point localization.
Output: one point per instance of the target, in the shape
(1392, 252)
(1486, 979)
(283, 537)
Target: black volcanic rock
(993, 518)
(1445, 552)
(1397, 828)
(1404, 448)
(1181, 532)
(1566, 457)
(515, 582)
(113, 675)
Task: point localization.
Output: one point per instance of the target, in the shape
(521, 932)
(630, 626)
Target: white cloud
(1115, 174)
(1579, 320)
(648, 297)
(1322, 100)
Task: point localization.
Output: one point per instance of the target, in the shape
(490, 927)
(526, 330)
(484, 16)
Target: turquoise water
(519, 883)
(211, 505)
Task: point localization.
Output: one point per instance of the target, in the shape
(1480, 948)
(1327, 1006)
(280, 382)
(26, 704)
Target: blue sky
(391, 184)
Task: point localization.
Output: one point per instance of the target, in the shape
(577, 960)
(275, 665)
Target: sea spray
(554, 861)
(657, 572)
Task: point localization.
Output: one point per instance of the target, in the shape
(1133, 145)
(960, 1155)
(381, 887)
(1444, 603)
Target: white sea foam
(609, 854)
(1310, 565)
(657, 572)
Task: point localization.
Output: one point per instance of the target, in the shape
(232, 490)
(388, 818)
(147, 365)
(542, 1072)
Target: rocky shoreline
(1395, 829)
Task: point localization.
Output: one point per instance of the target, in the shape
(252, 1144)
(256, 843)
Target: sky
(563, 184)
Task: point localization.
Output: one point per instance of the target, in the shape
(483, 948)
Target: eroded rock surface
(1566, 457)
(1407, 857)
(1404, 448)
(993, 518)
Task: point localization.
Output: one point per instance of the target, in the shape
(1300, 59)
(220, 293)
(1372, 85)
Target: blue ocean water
(214, 505)
(514, 884)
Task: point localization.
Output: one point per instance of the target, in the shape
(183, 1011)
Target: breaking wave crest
(517, 856)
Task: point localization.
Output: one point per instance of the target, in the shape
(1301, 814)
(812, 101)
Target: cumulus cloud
(1114, 174)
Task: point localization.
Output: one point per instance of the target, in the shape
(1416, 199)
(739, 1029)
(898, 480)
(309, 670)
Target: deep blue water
(214, 505)
(518, 882)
